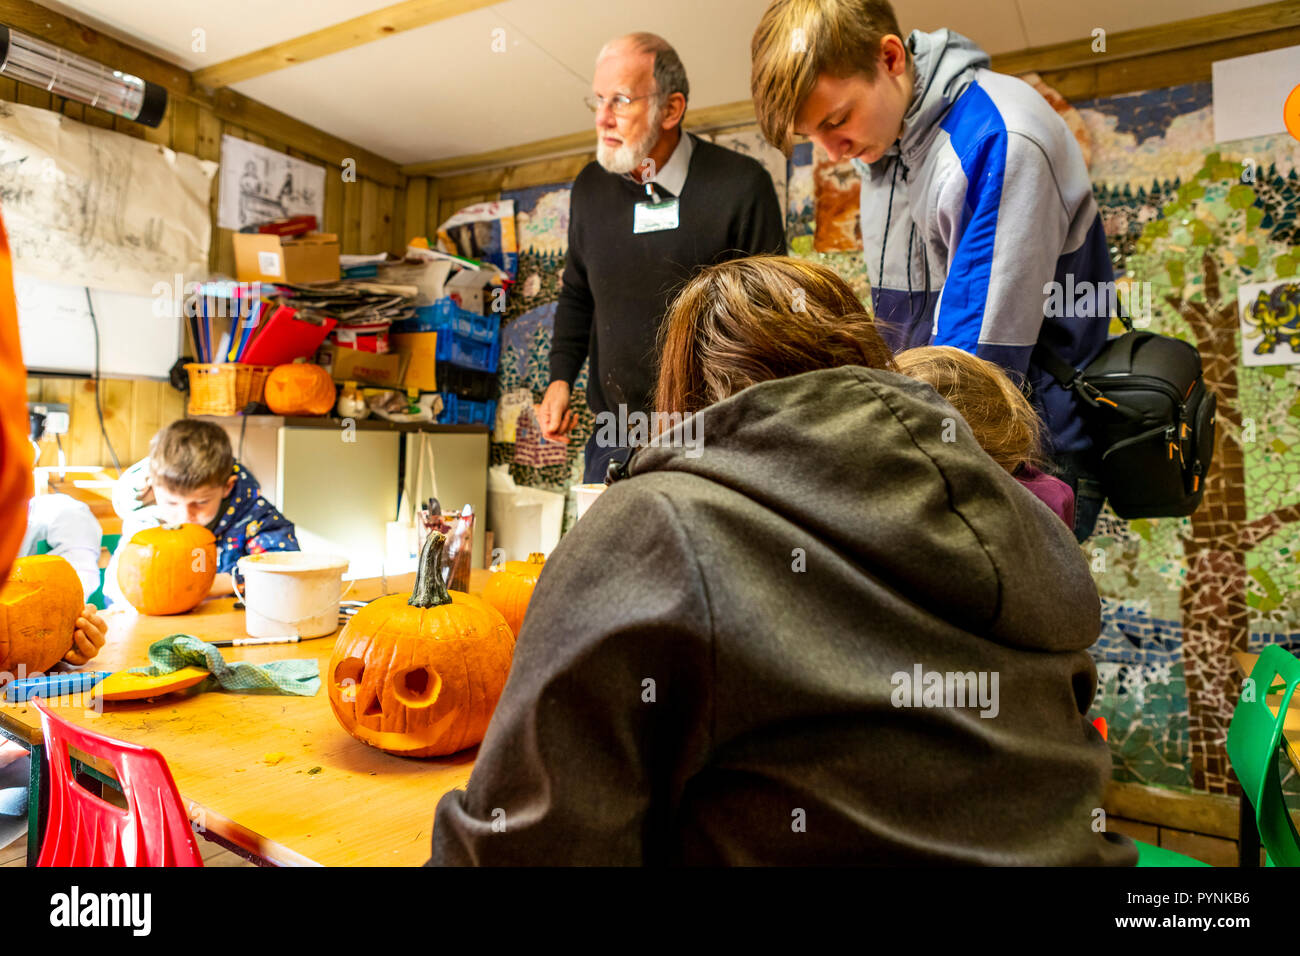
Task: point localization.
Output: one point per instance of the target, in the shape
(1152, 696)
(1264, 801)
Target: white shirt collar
(673, 176)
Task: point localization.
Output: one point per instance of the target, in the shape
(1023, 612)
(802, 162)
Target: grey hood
(886, 472)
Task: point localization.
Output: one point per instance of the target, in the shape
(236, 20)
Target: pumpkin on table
(39, 605)
(419, 675)
(299, 389)
(168, 570)
(510, 588)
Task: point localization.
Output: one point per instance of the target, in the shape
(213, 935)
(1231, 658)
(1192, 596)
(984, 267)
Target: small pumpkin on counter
(39, 605)
(419, 675)
(510, 588)
(168, 570)
(299, 389)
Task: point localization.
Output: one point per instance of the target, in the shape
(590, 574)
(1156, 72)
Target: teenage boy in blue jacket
(977, 209)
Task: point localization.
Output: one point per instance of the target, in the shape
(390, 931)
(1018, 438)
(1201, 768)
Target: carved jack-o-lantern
(511, 588)
(420, 675)
(168, 570)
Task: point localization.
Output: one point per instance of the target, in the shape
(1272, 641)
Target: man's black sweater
(618, 285)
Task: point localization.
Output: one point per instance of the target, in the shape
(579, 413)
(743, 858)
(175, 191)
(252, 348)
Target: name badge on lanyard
(654, 216)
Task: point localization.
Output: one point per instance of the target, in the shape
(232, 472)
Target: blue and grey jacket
(983, 202)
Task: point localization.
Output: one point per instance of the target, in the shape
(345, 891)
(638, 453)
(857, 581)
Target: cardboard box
(267, 258)
(352, 365)
(419, 349)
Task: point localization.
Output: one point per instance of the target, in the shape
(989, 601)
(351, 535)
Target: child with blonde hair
(1001, 418)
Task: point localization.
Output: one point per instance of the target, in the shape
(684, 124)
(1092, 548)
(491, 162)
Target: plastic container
(465, 339)
(289, 593)
(225, 388)
(464, 411)
(522, 519)
(584, 495)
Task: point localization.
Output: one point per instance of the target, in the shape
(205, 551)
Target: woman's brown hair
(1003, 421)
(752, 320)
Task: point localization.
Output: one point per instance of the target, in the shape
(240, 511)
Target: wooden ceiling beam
(336, 38)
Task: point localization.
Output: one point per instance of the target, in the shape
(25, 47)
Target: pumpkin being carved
(299, 389)
(39, 605)
(419, 675)
(511, 587)
(168, 570)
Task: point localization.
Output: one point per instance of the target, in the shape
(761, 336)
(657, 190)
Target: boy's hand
(222, 585)
(88, 636)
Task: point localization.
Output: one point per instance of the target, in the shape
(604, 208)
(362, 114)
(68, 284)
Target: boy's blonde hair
(798, 40)
(1003, 421)
(188, 455)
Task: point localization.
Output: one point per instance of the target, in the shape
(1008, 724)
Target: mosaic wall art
(1182, 596)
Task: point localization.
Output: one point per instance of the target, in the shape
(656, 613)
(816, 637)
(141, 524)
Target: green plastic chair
(1253, 740)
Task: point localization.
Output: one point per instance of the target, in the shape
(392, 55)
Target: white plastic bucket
(291, 592)
(584, 495)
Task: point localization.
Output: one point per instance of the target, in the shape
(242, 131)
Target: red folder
(285, 337)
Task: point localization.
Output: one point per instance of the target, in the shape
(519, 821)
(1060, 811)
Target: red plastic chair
(84, 830)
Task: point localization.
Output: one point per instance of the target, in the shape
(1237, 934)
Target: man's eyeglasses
(618, 103)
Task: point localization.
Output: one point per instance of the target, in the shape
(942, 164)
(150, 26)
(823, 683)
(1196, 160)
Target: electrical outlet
(56, 417)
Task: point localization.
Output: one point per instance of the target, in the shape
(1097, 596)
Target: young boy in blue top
(191, 476)
(975, 197)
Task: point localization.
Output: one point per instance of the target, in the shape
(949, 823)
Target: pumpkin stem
(536, 557)
(429, 590)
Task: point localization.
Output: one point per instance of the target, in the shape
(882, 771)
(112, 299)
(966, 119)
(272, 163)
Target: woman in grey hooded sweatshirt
(817, 624)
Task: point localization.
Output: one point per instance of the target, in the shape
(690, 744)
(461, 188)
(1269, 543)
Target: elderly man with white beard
(657, 204)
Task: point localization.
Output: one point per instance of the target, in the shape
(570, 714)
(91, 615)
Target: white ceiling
(441, 91)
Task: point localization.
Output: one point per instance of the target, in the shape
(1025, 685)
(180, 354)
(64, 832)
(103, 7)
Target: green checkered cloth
(300, 678)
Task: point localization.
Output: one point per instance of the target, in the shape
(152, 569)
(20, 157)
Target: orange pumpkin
(299, 389)
(511, 587)
(419, 675)
(168, 570)
(39, 605)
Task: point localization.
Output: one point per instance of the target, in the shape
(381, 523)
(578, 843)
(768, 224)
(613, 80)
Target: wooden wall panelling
(417, 208)
(369, 240)
(115, 396)
(350, 233)
(144, 418)
(386, 215)
(185, 127)
(432, 209)
(334, 188)
(84, 443)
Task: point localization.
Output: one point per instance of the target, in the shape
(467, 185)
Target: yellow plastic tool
(125, 685)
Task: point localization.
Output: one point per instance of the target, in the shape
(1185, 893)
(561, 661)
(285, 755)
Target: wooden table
(274, 778)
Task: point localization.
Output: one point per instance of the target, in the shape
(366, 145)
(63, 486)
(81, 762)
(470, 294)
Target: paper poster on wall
(1270, 322)
(90, 207)
(260, 184)
(1250, 93)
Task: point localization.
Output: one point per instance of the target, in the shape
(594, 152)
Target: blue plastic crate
(464, 411)
(465, 339)
(445, 316)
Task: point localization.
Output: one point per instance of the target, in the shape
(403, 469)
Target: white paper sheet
(1249, 92)
(90, 207)
(259, 184)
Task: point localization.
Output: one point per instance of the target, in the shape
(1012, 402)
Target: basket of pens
(225, 388)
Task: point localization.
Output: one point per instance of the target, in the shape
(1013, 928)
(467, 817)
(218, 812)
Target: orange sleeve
(15, 449)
